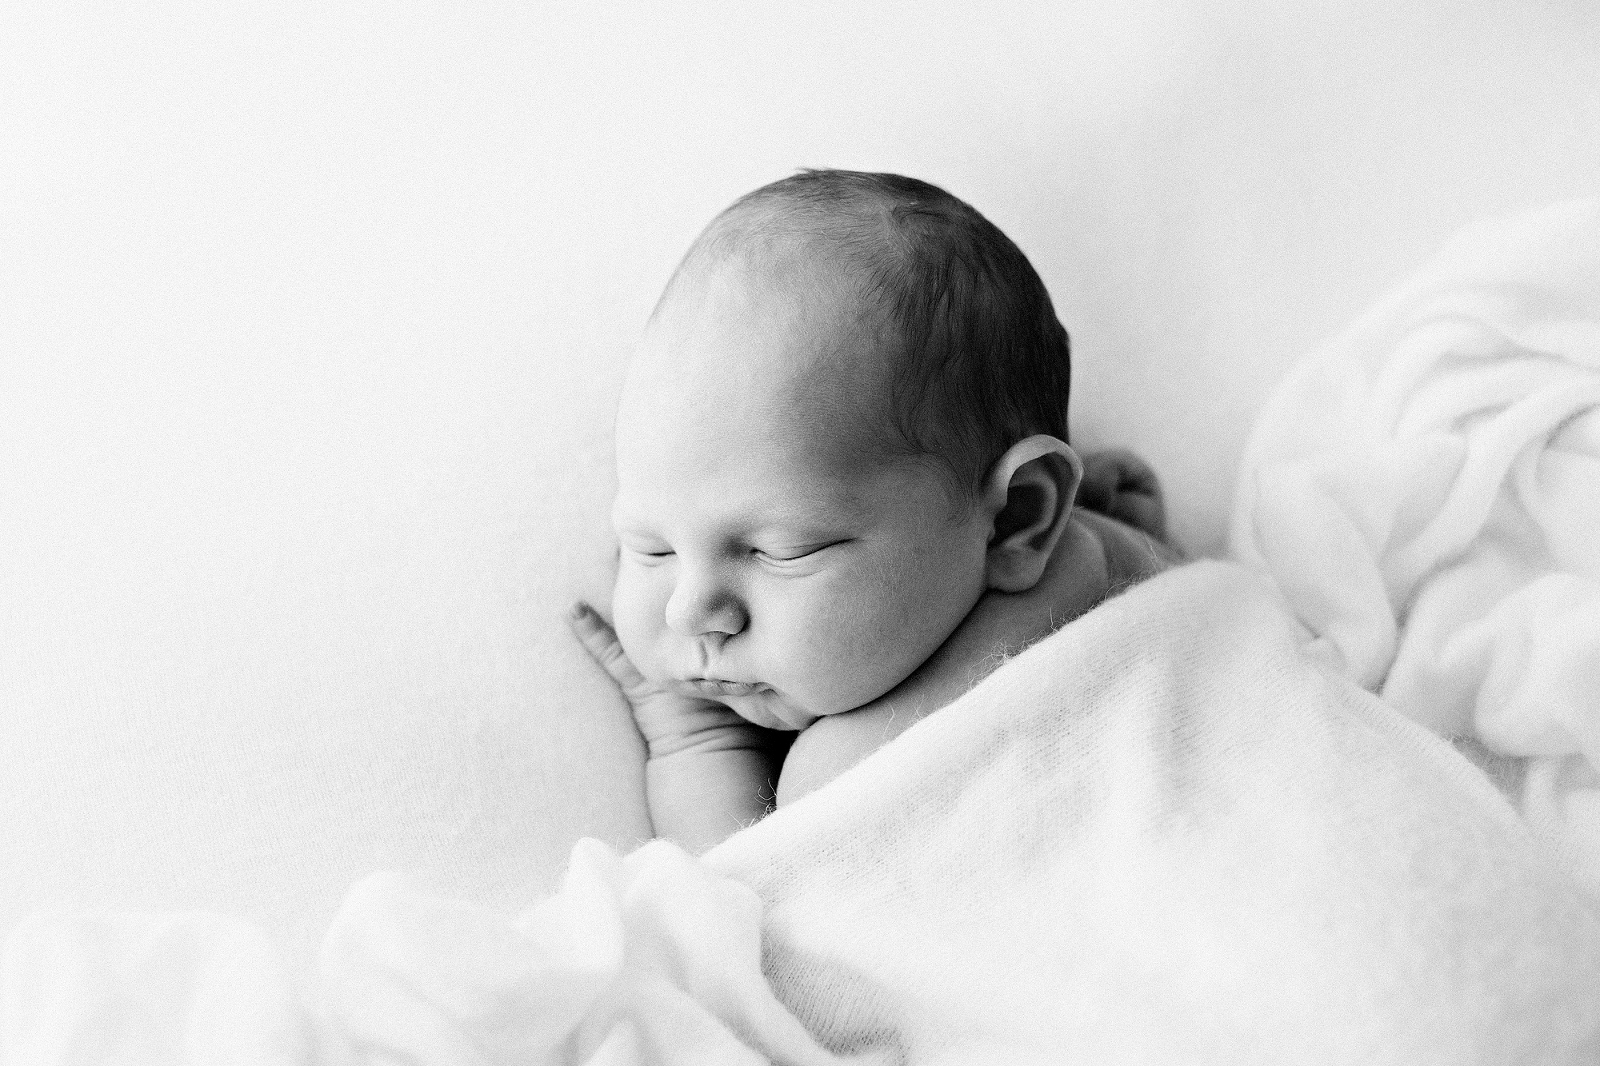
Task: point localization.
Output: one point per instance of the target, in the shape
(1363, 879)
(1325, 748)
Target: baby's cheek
(901, 618)
(854, 651)
(631, 616)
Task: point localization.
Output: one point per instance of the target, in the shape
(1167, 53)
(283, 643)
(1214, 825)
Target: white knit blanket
(1425, 489)
(1163, 835)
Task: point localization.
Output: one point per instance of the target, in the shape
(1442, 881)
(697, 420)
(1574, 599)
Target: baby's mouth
(714, 686)
(773, 712)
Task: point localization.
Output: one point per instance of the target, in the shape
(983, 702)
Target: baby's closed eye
(794, 553)
(645, 551)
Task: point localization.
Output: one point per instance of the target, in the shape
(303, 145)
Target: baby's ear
(1029, 491)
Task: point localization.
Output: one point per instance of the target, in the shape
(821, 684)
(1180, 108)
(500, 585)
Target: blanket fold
(1424, 489)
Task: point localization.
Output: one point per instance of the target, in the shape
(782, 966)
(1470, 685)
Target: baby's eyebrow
(626, 521)
(630, 525)
(800, 520)
(800, 535)
(816, 526)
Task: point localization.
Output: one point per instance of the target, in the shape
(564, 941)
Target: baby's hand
(670, 723)
(710, 772)
(1120, 485)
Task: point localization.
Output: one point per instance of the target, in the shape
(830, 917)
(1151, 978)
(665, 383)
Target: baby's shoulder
(829, 746)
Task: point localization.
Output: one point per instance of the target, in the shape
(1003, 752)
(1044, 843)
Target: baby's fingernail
(579, 610)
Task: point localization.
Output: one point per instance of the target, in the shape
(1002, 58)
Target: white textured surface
(1425, 489)
(311, 316)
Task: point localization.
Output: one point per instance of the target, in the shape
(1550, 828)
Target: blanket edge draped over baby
(1166, 834)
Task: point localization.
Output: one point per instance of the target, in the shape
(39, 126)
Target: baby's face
(770, 559)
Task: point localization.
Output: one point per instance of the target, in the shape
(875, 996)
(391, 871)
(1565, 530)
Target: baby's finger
(600, 640)
(1119, 484)
(1136, 475)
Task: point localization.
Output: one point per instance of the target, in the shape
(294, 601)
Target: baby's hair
(983, 360)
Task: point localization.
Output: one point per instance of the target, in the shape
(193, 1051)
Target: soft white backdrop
(311, 316)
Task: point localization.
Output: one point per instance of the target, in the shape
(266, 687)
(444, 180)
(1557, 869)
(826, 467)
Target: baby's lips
(715, 687)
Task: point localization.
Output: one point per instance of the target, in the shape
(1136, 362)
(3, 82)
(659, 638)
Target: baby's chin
(785, 710)
(780, 708)
(771, 710)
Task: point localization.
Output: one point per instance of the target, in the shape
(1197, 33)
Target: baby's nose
(699, 606)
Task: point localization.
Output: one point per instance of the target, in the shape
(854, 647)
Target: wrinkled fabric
(1425, 491)
(131, 988)
(649, 959)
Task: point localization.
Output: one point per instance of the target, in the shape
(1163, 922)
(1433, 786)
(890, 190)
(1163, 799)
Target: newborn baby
(844, 491)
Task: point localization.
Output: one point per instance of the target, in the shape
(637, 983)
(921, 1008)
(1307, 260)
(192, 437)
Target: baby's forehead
(780, 330)
(801, 278)
(807, 417)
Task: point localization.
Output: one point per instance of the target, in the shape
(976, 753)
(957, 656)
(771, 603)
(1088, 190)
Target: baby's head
(846, 421)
